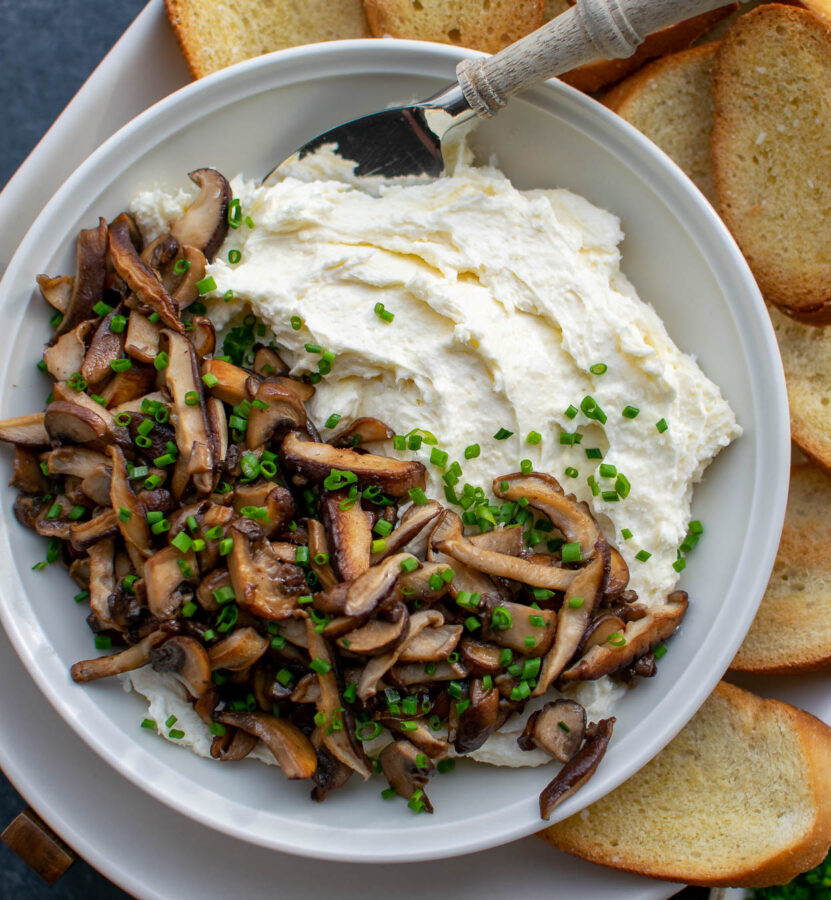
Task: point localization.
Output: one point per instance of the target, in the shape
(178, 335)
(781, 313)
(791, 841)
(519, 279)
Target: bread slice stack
(742, 796)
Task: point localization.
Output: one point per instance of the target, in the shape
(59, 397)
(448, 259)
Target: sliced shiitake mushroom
(479, 720)
(205, 222)
(416, 673)
(579, 768)
(105, 347)
(290, 747)
(638, 638)
(165, 572)
(395, 477)
(432, 644)
(66, 356)
(232, 382)
(83, 535)
(557, 728)
(142, 341)
(399, 763)
(364, 430)
(25, 431)
(185, 659)
(282, 411)
(350, 531)
(56, 291)
(378, 635)
(188, 291)
(412, 523)
(239, 650)
(88, 283)
(365, 593)
(505, 539)
(27, 474)
(522, 628)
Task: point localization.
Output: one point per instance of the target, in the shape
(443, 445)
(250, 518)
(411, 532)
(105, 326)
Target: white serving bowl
(680, 258)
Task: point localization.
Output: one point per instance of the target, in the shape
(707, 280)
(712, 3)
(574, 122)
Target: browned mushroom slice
(263, 585)
(638, 638)
(51, 519)
(268, 362)
(96, 485)
(66, 356)
(56, 291)
(545, 494)
(205, 222)
(350, 533)
(130, 385)
(366, 592)
(481, 657)
(73, 423)
(214, 581)
(132, 518)
(331, 774)
(26, 431)
(218, 426)
(420, 585)
(294, 631)
(142, 342)
(557, 728)
(316, 461)
(338, 734)
(140, 277)
(27, 473)
(84, 534)
(232, 381)
(282, 411)
(579, 768)
(524, 629)
(160, 252)
(203, 336)
(378, 635)
(233, 746)
(421, 736)
(364, 430)
(291, 748)
(432, 645)
(304, 392)
(578, 608)
(88, 283)
(307, 690)
(102, 579)
(412, 523)
(600, 630)
(479, 720)
(117, 663)
(78, 461)
(192, 438)
(274, 498)
(513, 567)
(318, 550)
(502, 539)
(134, 406)
(187, 291)
(618, 573)
(399, 763)
(239, 650)
(378, 666)
(417, 673)
(105, 347)
(186, 660)
(165, 572)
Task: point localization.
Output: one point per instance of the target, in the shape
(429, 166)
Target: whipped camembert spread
(493, 320)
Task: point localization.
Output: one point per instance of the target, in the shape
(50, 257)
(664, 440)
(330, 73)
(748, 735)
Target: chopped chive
(149, 724)
(191, 398)
(680, 564)
(234, 256)
(320, 666)
(661, 425)
(154, 318)
(610, 496)
(102, 309)
(575, 602)
(418, 496)
(176, 734)
(383, 314)
(660, 651)
(571, 412)
(593, 453)
(571, 552)
(502, 435)
(378, 546)
(445, 765)
(121, 365)
(408, 565)
(625, 533)
(598, 368)
(118, 324)
(210, 380)
(607, 470)
(124, 514)
(534, 437)
(472, 451)
(643, 555)
(206, 285)
(571, 472)
(103, 642)
(696, 527)
(630, 412)
(438, 457)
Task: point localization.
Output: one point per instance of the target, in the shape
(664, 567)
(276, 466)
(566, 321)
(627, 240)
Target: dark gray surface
(48, 48)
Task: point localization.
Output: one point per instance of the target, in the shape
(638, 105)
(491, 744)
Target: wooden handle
(590, 30)
(36, 844)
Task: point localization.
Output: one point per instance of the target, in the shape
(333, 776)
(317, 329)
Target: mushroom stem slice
(140, 278)
(232, 381)
(479, 720)
(579, 768)
(338, 735)
(618, 573)
(525, 630)
(399, 764)
(187, 660)
(25, 431)
(367, 591)
(557, 728)
(164, 574)
(638, 638)
(76, 461)
(502, 539)
(105, 347)
(102, 579)
(205, 222)
(412, 523)
(142, 341)
(318, 549)
(350, 533)
(188, 292)
(116, 664)
(378, 636)
(88, 284)
(132, 518)
(291, 748)
(84, 534)
(316, 461)
(414, 673)
(513, 567)
(545, 494)
(56, 291)
(238, 651)
(66, 355)
(432, 645)
(578, 608)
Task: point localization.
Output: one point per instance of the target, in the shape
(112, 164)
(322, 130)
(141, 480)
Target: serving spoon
(410, 140)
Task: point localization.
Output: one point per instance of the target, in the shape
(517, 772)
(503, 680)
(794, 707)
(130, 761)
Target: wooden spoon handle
(590, 30)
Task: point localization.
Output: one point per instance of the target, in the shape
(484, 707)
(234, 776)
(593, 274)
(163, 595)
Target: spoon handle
(590, 30)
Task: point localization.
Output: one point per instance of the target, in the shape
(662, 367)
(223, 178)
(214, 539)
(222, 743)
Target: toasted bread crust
(717, 757)
(792, 630)
(771, 141)
(463, 22)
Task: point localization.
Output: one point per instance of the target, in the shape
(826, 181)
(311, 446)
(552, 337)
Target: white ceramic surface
(678, 256)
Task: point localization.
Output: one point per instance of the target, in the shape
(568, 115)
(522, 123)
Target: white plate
(679, 257)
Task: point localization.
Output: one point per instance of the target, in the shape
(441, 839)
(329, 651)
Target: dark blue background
(48, 48)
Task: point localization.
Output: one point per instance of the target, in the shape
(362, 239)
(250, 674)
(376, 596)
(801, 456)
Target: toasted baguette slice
(487, 26)
(670, 101)
(602, 73)
(806, 357)
(216, 33)
(742, 796)
(772, 153)
(792, 630)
